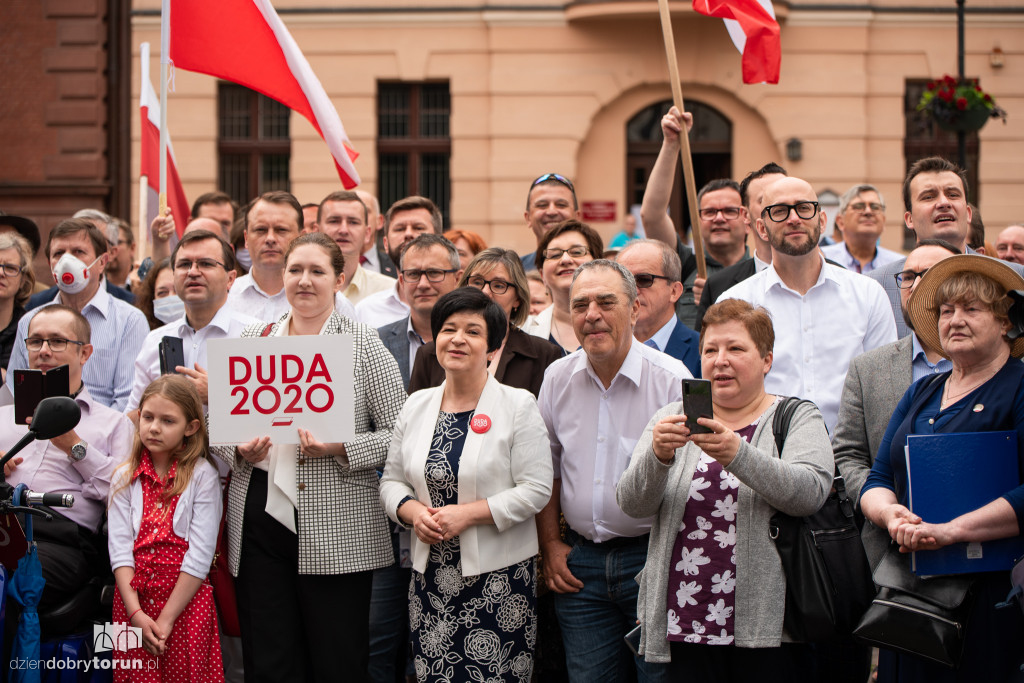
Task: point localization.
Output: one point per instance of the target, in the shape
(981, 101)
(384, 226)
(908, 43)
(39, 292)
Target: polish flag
(245, 42)
(754, 31)
(149, 165)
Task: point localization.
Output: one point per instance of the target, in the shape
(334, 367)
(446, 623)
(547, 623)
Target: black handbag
(828, 578)
(916, 616)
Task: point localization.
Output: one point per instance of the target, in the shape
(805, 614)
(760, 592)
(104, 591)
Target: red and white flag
(245, 42)
(754, 31)
(149, 165)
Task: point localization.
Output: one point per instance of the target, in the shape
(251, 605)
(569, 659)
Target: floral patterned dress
(468, 628)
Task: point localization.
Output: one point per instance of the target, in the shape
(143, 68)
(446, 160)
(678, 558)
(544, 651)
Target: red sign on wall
(598, 211)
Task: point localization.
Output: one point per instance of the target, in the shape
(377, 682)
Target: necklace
(949, 398)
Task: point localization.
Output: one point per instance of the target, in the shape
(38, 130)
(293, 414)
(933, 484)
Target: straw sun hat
(926, 321)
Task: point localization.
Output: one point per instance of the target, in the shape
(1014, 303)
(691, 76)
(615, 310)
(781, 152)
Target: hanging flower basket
(959, 105)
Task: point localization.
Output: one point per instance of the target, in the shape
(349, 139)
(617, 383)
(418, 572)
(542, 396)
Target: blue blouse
(1001, 401)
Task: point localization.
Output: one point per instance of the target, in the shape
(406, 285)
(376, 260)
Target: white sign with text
(272, 386)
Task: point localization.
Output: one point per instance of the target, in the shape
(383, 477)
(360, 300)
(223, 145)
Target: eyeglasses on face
(203, 264)
(645, 280)
(56, 344)
(907, 278)
(433, 274)
(730, 213)
(577, 251)
(875, 207)
(780, 212)
(11, 270)
(497, 286)
(557, 178)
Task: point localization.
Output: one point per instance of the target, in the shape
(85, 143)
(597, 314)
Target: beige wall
(538, 90)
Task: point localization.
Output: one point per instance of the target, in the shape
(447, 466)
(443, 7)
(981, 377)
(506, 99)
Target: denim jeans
(595, 620)
(389, 621)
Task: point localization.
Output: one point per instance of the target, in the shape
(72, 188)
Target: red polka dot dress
(193, 649)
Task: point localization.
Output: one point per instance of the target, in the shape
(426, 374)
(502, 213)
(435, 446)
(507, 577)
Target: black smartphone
(32, 386)
(697, 403)
(633, 640)
(172, 354)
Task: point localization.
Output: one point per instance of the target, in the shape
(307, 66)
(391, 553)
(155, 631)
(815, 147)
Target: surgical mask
(71, 273)
(168, 309)
(243, 257)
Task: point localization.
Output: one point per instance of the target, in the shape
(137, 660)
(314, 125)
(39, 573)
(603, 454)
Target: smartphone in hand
(172, 354)
(697, 403)
(32, 386)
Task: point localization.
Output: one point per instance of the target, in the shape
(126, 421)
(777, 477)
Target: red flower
(961, 103)
(988, 98)
(949, 80)
(931, 85)
(946, 95)
(977, 88)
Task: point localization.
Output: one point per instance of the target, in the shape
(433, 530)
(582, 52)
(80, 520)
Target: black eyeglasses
(576, 252)
(907, 278)
(433, 274)
(11, 270)
(645, 280)
(730, 213)
(206, 264)
(57, 344)
(557, 178)
(497, 286)
(780, 212)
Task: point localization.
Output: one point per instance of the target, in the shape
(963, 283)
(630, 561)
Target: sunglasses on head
(557, 178)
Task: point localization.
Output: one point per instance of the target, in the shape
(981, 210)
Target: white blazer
(509, 465)
(196, 519)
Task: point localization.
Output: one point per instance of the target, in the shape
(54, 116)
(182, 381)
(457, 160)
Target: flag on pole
(149, 165)
(754, 31)
(245, 42)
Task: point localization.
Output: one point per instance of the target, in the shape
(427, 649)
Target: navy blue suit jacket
(45, 297)
(395, 338)
(683, 346)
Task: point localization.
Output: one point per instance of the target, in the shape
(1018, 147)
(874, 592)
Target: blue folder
(952, 474)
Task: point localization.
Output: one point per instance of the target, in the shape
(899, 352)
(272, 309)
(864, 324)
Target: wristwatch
(78, 451)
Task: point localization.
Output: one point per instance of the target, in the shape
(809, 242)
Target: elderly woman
(521, 359)
(961, 306)
(560, 252)
(712, 595)
(304, 523)
(468, 469)
(17, 281)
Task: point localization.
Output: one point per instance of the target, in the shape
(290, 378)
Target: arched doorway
(710, 146)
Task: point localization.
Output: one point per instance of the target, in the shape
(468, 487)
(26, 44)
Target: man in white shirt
(78, 255)
(204, 270)
(861, 219)
(406, 220)
(824, 315)
(345, 219)
(596, 403)
(79, 462)
(272, 222)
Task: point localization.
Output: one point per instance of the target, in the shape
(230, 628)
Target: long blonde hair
(194, 448)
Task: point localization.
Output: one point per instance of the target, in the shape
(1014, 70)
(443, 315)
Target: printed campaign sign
(272, 386)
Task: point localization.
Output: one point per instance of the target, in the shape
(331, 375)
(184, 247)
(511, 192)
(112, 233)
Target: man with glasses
(824, 315)
(550, 201)
(78, 256)
(203, 266)
(79, 462)
(861, 219)
(655, 266)
(428, 269)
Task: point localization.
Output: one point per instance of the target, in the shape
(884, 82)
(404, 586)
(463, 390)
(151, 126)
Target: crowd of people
(523, 489)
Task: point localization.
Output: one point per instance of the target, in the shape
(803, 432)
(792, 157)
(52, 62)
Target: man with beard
(824, 315)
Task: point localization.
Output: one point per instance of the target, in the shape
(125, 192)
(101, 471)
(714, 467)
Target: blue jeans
(389, 621)
(595, 620)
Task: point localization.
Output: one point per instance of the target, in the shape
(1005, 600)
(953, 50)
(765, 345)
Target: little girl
(163, 520)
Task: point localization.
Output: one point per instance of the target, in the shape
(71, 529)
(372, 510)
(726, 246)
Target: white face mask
(71, 273)
(168, 309)
(243, 258)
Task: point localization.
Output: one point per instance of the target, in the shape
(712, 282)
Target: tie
(652, 344)
(363, 260)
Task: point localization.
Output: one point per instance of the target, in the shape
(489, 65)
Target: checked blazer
(340, 525)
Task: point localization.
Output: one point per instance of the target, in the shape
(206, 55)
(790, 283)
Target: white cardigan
(509, 465)
(196, 519)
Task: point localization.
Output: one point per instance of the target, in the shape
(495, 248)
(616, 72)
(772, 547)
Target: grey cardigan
(796, 484)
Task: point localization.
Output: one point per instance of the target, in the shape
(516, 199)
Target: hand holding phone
(172, 354)
(696, 404)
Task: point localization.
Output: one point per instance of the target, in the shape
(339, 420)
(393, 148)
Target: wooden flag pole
(684, 142)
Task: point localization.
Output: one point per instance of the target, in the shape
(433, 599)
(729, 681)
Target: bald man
(824, 315)
(1010, 244)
